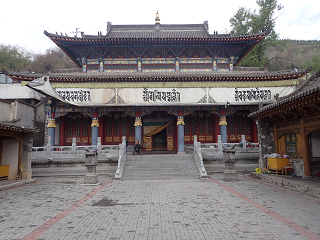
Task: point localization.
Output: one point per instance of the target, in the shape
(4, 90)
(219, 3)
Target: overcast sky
(23, 22)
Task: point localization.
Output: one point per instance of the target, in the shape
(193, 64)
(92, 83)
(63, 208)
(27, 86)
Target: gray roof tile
(158, 31)
(234, 75)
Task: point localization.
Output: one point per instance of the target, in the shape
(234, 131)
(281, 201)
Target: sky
(23, 22)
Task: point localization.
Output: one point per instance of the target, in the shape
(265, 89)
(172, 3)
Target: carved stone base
(230, 176)
(91, 179)
(91, 168)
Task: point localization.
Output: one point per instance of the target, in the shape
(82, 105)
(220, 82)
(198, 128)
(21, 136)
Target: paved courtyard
(63, 208)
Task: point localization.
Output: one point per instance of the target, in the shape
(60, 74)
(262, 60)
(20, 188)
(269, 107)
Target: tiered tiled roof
(308, 92)
(157, 35)
(233, 76)
(161, 31)
(123, 34)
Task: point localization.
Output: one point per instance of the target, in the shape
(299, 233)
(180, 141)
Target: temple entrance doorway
(159, 132)
(160, 141)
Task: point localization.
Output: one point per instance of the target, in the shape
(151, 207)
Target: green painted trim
(177, 84)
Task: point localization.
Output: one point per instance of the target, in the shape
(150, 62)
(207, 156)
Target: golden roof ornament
(157, 17)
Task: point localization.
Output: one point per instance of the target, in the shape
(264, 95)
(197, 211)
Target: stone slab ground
(63, 208)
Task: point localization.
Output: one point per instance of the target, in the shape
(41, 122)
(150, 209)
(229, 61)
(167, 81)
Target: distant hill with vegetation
(289, 54)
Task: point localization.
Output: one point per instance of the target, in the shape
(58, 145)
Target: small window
(291, 149)
(287, 138)
(291, 145)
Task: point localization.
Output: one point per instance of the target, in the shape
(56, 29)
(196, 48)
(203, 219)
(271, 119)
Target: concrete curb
(300, 185)
(16, 184)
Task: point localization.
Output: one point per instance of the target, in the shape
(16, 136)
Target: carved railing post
(74, 146)
(99, 145)
(198, 158)
(49, 146)
(219, 143)
(122, 159)
(244, 143)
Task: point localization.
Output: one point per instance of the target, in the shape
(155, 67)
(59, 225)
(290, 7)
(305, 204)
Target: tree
(246, 22)
(14, 58)
(53, 58)
(241, 21)
(314, 62)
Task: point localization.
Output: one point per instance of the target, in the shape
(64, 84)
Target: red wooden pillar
(216, 127)
(100, 119)
(62, 131)
(254, 132)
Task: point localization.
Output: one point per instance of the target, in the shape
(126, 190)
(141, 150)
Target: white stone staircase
(160, 167)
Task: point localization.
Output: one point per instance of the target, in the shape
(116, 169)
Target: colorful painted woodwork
(135, 75)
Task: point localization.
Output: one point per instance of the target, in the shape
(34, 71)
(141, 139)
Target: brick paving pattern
(63, 208)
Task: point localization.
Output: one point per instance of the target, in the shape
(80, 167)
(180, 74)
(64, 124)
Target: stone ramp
(160, 167)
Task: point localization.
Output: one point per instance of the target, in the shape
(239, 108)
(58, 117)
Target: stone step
(172, 160)
(147, 165)
(160, 172)
(180, 178)
(160, 167)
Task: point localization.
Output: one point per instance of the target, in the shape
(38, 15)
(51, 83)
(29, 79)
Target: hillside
(290, 54)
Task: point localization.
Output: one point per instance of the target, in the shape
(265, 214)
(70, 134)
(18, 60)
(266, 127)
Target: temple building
(160, 84)
(295, 126)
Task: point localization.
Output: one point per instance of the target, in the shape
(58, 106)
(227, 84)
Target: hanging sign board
(171, 96)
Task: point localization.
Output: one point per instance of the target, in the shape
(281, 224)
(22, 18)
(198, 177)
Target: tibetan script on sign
(252, 95)
(157, 96)
(75, 96)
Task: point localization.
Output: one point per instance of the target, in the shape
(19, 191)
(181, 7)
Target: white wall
(17, 113)
(10, 154)
(16, 91)
(25, 113)
(5, 111)
(315, 141)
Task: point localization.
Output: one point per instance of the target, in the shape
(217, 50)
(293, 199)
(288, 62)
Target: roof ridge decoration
(157, 18)
(94, 38)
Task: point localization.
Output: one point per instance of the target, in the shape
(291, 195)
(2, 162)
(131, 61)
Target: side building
(22, 121)
(291, 126)
(159, 84)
